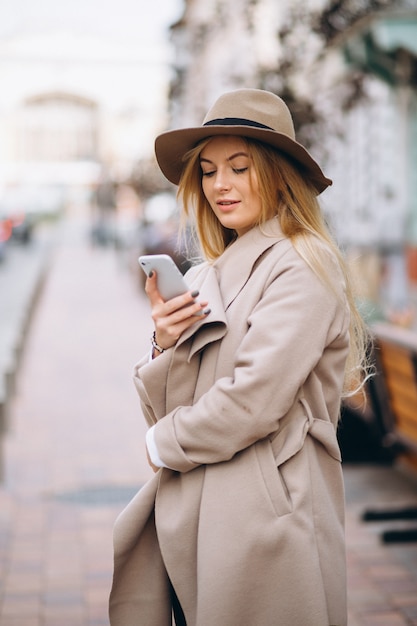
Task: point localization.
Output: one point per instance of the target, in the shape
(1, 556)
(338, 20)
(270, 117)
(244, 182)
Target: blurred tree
(307, 35)
(147, 179)
(340, 15)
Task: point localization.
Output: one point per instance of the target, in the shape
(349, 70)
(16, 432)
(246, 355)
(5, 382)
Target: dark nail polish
(195, 293)
(151, 274)
(207, 311)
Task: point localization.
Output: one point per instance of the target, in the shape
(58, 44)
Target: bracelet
(155, 345)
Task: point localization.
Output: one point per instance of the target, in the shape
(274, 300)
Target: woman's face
(230, 183)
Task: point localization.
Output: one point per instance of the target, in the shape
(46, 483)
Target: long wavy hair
(287, 194)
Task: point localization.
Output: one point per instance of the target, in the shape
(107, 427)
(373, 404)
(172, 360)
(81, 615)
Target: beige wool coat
(249, 521)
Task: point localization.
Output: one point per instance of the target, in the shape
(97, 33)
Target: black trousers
(177, 609)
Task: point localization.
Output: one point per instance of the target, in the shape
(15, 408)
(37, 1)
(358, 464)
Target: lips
(227, 205)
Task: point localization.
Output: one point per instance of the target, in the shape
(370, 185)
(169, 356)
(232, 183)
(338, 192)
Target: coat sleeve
(297, 319)
(158, 369)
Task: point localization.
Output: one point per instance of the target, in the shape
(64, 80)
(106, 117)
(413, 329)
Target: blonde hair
(291, 197)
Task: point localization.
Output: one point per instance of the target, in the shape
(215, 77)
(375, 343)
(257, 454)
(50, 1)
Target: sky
(114, 51)
(139, 20)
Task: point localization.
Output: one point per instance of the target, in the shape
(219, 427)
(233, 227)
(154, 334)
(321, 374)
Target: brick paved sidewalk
(382, 578)
(73, 456)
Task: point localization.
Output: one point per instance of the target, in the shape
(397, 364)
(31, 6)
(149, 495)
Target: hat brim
(171, 146)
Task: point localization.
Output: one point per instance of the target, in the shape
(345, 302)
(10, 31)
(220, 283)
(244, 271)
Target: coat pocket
(276, 488)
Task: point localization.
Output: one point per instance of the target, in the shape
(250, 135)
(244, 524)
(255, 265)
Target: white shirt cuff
(152, 449)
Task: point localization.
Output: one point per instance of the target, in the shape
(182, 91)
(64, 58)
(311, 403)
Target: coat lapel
(214, 326)
(236, 264)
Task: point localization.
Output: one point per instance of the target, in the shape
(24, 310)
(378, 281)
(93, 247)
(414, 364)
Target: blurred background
(85, 87)
(83, 93)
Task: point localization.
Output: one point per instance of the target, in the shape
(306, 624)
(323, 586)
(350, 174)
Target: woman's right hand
(173, 317)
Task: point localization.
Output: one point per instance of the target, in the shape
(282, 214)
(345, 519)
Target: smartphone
(170, 281)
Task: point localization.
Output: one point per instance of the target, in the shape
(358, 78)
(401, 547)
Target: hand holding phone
(171, 282)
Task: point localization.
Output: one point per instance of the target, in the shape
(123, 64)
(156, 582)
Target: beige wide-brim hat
(252, 113)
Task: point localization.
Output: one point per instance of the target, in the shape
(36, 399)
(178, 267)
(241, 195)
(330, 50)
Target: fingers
(151, 288)
(169, 328)
(188, 299)
(180, 308)
(179, 319)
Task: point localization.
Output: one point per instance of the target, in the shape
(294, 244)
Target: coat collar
(235, 265)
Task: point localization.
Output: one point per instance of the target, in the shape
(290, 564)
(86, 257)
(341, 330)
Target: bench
(392, 394)
(395, 351)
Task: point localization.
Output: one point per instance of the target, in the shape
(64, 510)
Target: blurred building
(73, 104)
(51, 139)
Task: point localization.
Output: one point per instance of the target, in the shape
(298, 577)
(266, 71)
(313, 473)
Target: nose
(222, 182)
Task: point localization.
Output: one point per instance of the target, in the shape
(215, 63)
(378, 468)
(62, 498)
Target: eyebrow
(230, 158)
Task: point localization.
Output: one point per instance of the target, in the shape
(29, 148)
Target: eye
(208, 174)
(240, 170)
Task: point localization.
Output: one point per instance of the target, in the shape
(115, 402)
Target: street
(73, 455)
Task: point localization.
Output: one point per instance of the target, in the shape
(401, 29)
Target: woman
(243, 525)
